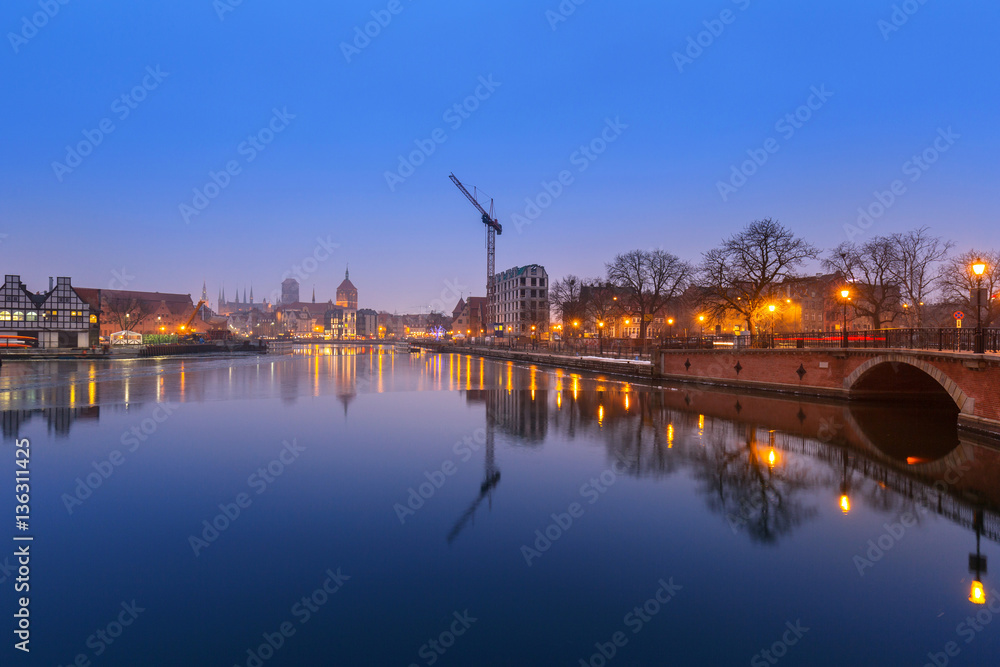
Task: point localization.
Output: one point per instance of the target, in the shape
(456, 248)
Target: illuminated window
(31, 316)
(4, 316)
(18, 316)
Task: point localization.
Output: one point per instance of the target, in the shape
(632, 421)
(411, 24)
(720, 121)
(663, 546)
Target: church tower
(347, 293)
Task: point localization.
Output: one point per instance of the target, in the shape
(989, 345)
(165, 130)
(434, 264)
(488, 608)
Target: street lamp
(701, 321)
(670, 321)
(772, 308)
(600, 337)
(979, 268)
(845, 294)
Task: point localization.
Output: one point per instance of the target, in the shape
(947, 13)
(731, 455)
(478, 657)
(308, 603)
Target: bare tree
(917, 268)
(958, 281)
(566, 295)
(648, 279)
(871, 270)
(601, 304)
(739, 276)
(126, 311)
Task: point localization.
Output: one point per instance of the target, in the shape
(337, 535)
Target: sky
(154, 146)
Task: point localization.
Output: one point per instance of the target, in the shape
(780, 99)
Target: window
(32, 316)
(534, 281)
(18, 316)
(4, 316)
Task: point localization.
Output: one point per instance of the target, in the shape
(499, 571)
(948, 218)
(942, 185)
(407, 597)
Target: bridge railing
(941, 339)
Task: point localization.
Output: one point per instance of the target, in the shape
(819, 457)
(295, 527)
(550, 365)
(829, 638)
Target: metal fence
(944, 340)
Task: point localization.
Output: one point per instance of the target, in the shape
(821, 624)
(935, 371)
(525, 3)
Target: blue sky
(345, 115)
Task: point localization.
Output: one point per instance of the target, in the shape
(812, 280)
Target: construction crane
(492, 229)
(186, 325)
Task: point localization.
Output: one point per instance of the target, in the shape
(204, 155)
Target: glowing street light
(845, 294)
(979, 268)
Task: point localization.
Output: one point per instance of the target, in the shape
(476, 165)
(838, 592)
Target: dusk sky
(199, 79)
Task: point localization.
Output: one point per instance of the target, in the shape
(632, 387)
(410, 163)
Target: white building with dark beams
(57, 318)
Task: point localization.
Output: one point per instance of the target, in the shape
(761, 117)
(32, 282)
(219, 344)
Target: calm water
(460, 511)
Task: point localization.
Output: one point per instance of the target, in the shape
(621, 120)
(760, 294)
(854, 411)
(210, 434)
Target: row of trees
(886, 275)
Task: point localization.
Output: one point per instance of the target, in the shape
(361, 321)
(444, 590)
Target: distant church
(347, 293)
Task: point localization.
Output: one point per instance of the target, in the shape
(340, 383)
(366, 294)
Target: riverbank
(133, 351)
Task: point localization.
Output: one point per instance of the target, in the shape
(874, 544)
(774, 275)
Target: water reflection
(753, 456)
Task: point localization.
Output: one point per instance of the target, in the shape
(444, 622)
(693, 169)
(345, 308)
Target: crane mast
(492, 229)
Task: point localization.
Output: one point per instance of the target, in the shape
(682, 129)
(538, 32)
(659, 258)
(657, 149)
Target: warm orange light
(628, 321)
(600, 324)
(845, 293)
(979, 267)
(670, 321)
(845, 504)
(772, 458)
(701, 318)
(977, 595)
(771, 307)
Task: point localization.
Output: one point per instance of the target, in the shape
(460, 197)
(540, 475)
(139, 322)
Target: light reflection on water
(759, 506)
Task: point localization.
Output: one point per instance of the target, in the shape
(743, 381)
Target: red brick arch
(964, 402)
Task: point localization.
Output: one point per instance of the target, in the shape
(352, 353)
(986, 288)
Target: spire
(314, 294)
(347, 273)
(244, 294)
(251, 292)
(204, 291)
(223, 292)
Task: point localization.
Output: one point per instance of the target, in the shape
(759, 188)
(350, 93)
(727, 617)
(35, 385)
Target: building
(289, 291)
(225, 307)
(340, 322)
(347, 293)
(471, 318)
(367, 323)
(60, 317)
(523, 301)
(302, 318)
(145, 312)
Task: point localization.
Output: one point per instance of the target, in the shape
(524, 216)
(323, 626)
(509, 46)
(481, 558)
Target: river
(352, 506)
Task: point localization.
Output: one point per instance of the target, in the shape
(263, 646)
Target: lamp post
(670, 321)
(772, 308)
(600, 337)
(845, 295)
(701, 321)
(979, 268)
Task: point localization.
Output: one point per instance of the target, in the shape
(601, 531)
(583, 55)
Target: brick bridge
(972, 382)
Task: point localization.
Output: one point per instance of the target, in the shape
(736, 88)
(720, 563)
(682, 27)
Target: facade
(226, 307)
(347, 293)
(471, 318)
(145, 312)
(57, 318)
(523, 301)
(289, 291)
(302, 318)
(340, 323)
(367, 323)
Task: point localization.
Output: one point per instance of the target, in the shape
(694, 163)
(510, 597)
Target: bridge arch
(912, 372)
